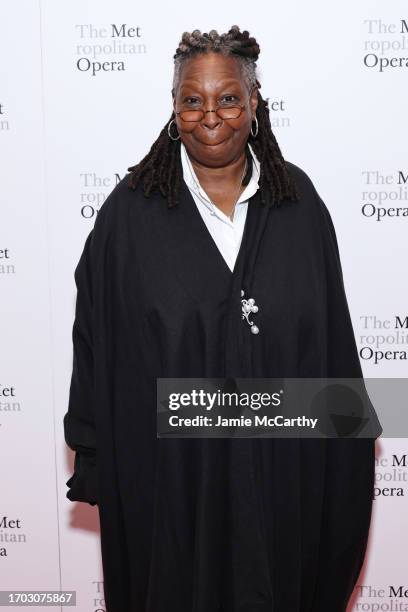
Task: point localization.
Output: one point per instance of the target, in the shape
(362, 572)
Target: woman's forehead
(208, 61)
(212, 82)
(209, 67)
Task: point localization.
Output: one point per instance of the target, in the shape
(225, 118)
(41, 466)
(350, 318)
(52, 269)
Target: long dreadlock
(161, 168)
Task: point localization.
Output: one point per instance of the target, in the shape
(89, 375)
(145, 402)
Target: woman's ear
(253, 100)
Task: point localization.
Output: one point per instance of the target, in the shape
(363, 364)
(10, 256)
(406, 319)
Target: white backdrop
(84, 91)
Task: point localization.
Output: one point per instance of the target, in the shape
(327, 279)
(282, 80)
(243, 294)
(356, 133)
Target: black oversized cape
(208, 525)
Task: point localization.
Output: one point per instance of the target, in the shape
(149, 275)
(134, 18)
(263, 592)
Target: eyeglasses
(223, 112)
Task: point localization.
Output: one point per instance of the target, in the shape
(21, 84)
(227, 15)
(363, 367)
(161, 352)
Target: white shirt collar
(193, 183)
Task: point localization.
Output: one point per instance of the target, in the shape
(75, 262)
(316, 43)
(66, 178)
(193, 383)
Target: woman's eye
(229, 98)
(191, 100)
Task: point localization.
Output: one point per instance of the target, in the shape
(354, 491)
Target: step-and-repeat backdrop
(84, 91)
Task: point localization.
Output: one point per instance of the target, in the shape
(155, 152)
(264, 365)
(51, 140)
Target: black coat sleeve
(79, 420)
(350, 462)
(342, 353)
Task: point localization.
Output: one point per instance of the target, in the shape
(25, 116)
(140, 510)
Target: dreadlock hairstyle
(161, 168)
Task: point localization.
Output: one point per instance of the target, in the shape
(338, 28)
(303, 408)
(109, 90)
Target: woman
(213, 210)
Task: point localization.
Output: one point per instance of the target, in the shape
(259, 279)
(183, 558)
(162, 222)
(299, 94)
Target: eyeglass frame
(240, 106)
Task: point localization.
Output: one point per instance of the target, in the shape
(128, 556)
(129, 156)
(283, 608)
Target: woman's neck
(222, 177)
(223, 185)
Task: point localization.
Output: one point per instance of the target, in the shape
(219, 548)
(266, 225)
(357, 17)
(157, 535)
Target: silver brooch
(248, 306)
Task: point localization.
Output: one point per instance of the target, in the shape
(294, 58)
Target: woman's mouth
(211, 144)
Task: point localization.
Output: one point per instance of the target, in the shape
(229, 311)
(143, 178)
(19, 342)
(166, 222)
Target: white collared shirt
(226, 234)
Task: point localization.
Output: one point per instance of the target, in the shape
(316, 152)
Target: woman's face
(208, 81)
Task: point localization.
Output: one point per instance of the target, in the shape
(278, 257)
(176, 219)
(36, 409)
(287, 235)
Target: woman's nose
(210, 119)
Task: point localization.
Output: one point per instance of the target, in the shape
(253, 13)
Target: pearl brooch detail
(248, 306)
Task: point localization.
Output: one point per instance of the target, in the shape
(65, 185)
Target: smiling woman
(213, 218)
